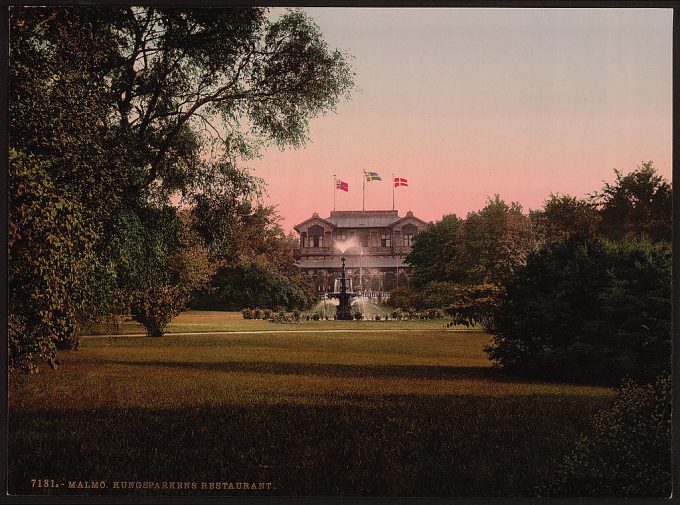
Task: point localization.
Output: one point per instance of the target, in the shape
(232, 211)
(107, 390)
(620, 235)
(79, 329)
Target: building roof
(354, 262)
(362, 218)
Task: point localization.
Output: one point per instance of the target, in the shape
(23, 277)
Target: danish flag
(399, 181)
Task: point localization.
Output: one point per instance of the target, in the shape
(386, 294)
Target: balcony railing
(354, 251)
(316, 250)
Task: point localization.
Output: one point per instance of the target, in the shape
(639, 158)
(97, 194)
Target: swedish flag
(372, 176)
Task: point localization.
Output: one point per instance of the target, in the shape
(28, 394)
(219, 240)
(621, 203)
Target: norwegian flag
(342, 186)
(399, 181)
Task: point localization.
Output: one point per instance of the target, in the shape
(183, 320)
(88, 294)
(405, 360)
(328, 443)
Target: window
(315, 236)
(364, 240)
(385, 241)
(409, 231)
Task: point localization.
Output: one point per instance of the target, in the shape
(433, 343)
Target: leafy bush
(254, 281)
(257, 314)
(377, 317)
(475, 305)
(587, 310)
(471, 305)
(51, 260)
(627, 452)
(156, 307)
(266, 314)
(358, 316)
(316, 316)
(247, 313)
(402, 297)
(296, 315)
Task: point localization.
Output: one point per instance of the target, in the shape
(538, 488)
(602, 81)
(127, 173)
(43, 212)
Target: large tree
(122, 109)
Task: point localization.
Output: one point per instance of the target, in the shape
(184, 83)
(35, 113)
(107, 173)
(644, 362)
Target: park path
(246, 332)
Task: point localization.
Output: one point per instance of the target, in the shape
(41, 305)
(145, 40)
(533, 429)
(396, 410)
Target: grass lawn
(396, 413)
(207, 321)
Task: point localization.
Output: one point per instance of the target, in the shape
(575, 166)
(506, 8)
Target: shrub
(296, 315)
(247, 313)
(628, 450)
(257, 314)
(403, 296)
(51, 260)
(358, 316)
(316, 316)
(155, 307)
(475, 305)
(266, 313)
(377, 317)
(588, 311)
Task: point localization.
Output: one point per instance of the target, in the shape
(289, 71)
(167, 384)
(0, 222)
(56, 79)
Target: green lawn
(413, 413)
(210, 321)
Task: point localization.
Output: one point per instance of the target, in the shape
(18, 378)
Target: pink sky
(466, 103)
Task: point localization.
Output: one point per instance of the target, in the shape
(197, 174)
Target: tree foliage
(563, 217)
(486, 247)
(434, 252)
(627, 451)
(587, 310)
(254, 261)
(121, 110)
(495, 242)
(52, 259)
(638, 204)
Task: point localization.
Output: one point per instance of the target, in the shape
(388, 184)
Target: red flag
(400, 181)
(342, 186)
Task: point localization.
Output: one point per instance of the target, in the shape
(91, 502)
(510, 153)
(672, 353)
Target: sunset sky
(466, 103)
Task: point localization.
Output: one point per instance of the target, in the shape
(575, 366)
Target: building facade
(375, 244)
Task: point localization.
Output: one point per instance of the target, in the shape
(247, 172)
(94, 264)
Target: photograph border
(166, 499)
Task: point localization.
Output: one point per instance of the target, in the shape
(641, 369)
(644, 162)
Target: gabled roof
(410, 216)
(315, 217)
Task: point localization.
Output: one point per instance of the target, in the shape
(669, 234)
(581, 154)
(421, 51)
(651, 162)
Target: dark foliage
(638, 204)
(627, 451)
(587, 310)
(256, 282)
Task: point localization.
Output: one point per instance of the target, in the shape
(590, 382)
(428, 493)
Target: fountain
(341, 290)
(343, 295)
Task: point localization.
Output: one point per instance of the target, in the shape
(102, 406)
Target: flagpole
(363, 198)
(392, 190)
(335, 189)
